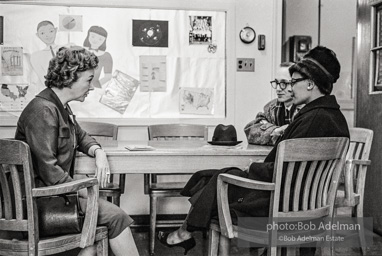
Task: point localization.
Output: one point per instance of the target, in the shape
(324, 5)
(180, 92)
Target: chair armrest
(359, 162)
(225, 220)
(64, 188)
(349, 182)
(90, 221)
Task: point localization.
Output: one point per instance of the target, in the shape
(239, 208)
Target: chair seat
(49, 245)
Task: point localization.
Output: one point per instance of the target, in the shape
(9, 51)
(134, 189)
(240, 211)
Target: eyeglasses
(295, 81)
(281, 84)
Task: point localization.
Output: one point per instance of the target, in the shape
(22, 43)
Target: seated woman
(269, 125)
(312, 82)
(49, 127)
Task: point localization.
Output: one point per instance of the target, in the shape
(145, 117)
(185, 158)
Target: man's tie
(51, 50)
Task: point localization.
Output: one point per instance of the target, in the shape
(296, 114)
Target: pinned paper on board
(70, 23)
(153, 73)
(14, 97)
(150, 33)
(95, 42)
(200, 30)
(12, 61)
(196, 100)
(119, 91)
(46, 32)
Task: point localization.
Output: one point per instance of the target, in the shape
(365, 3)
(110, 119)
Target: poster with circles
(70, 23)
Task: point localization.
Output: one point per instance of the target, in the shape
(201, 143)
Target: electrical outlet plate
(245, 65)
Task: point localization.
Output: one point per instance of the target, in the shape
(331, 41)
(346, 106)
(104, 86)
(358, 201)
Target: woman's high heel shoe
(186, 244)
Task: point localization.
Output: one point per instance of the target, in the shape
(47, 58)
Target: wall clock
(247, 35)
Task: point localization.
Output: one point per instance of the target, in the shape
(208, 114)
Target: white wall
(251, 90)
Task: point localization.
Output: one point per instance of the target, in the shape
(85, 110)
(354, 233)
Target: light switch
(245, 65)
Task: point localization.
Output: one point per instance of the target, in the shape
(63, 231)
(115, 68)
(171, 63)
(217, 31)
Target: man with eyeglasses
(277, 114)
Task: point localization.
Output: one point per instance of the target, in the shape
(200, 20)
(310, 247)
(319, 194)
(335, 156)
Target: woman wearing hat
(312, 82)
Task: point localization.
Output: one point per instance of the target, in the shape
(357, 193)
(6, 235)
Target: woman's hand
(102, 172)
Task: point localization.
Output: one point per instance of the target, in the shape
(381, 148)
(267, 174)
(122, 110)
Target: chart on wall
(153, 63)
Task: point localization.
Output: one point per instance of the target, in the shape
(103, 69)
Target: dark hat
(224, 135)
(320, 65)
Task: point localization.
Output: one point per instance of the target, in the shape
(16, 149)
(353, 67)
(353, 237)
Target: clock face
(69, 22)
(247, 35)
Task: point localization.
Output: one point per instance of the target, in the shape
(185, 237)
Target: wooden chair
(19, 213)
(317, 164)
(106, 131)
(352, 185)
(157, 189)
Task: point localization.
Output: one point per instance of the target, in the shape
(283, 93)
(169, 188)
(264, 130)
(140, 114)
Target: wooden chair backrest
(360, 143)
(306, 176)
(100, 131)
(178, 132)
(13, 156)
(359, 149)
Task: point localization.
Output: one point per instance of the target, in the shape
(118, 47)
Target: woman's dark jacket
(319, 118)
(53, 136)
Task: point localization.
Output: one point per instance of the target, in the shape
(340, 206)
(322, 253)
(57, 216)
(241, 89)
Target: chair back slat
(5, 193)
(314, 164)
(287, 186)
(315, 185)
(17, 192)
(327, 181)
(308, 185)
(297, 186)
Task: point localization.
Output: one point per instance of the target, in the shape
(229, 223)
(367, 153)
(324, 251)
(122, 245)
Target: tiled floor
(141, 239)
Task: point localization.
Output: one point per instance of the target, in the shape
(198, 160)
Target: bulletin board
(154, 63)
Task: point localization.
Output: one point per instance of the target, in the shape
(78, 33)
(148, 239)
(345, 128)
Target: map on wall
(196, 101)
(14, 97)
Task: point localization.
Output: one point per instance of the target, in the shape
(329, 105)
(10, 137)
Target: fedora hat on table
(224, 135)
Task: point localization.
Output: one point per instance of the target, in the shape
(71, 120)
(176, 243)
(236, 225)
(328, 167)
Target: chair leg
(358, 211)
(103, 247)
(213, 243)
(224, 245)
(153, 219)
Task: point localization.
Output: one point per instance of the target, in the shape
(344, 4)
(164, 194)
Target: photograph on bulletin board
(200, 30)
(150, 33)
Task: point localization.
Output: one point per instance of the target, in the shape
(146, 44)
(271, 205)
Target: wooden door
(368, 113)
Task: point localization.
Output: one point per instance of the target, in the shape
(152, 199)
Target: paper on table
(139, 148)
(223, 147)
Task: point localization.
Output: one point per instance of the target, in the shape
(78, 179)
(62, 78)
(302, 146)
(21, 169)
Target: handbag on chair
(59, 215)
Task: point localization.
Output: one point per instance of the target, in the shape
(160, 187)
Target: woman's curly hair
(64, 67)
